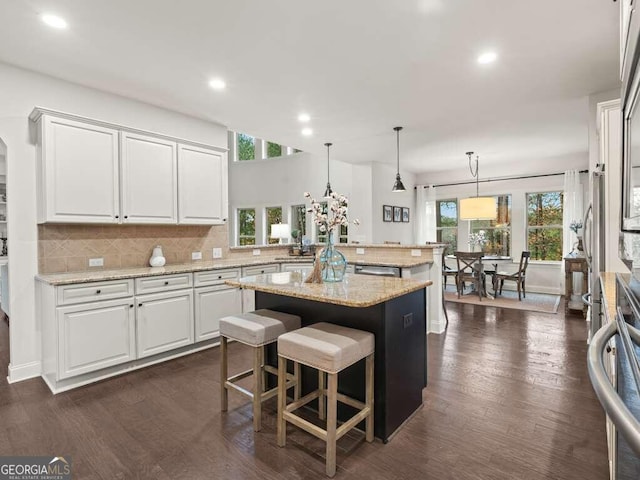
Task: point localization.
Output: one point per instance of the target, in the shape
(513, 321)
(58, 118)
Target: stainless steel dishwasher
(377, 270)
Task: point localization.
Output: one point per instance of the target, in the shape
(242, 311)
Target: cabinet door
(164, 321)
(202, 186)
(95, 335)
(213, 303)
(78, 172)
(149, 180)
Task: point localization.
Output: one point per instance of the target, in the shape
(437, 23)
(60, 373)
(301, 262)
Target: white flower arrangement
(478, 238)
(338, 208)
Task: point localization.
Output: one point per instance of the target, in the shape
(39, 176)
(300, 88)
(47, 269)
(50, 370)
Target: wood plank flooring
(508, 398)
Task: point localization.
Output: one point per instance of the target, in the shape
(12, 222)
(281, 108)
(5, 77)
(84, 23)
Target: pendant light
(328, 191)
(477, 208)
(398, 186)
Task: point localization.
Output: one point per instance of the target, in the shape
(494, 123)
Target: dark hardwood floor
(508, 398)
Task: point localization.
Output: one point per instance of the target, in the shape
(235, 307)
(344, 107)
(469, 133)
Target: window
(498, 231)
(447, 223)
(298, 222)
(544, 225)
(343, 236)
(272, 215)
(246, 147)
(274, 150)
(246, 226)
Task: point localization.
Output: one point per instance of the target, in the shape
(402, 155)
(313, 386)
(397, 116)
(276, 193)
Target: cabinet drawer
(90, 292)
(260, 269)
(163, 283)
(214, 277)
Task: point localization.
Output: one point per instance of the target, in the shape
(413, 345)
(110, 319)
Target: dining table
(493, 260)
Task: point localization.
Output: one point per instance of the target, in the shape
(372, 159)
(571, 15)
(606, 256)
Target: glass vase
(333, 263)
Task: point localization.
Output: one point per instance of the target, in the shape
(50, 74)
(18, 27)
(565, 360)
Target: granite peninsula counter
(393, 309)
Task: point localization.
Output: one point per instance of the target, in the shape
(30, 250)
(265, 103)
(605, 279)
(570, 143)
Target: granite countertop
(608, 283)
(125, 273)
(355, 291)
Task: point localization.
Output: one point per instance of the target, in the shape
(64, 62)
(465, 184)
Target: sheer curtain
(572, 209)
(425, 226)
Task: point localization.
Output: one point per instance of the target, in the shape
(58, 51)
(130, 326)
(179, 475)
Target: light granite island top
(355, 291)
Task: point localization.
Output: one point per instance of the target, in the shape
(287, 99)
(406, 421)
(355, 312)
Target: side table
(571, 266)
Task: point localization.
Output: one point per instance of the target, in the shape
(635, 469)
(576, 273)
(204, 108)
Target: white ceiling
(359, 67)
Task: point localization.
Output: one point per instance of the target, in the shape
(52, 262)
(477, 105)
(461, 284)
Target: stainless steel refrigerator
(594, 246)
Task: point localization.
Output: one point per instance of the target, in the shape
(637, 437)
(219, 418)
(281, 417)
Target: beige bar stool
(255, 329)
(329, 349)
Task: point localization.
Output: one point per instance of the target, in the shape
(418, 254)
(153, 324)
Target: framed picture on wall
(397, 214)
(387, 213)
(405, 214)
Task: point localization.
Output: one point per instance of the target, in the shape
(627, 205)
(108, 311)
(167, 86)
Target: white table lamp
(281, 231)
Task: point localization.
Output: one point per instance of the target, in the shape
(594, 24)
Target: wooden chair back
(524, 263)
(469, 263)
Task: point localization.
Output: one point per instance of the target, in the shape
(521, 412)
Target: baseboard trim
(438, 326)
(23, 372)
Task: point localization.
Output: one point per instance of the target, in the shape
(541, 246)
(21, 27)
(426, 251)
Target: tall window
(272, 215)
(298, 222)
(544, 225)
(273, 150)
(246, 147)
(447, 223)
(498, 231)
(246, 226)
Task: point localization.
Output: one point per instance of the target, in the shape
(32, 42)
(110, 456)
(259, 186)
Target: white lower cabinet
(164, 321)
(213, 303)
(95, 335)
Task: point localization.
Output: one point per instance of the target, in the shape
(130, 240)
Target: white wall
(20, 92)
(282, 182)
(383, 178)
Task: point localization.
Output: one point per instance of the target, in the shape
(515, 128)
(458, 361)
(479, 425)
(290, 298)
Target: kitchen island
(393, 309)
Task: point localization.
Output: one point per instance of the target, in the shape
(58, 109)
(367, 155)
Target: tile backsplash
(68, 248)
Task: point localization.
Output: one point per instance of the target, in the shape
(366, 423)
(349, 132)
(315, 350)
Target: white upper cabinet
(149, 179)
(78, 172)
(96, 172)
(202, 186)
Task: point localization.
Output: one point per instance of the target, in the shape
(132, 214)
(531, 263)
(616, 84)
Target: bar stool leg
(224, 374)
(282, 402)
(369, 398)
(296, 375)
(332, 419)
(322, 411)
(257, 389)
(263, 353)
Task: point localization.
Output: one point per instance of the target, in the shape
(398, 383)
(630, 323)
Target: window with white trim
(544, 225)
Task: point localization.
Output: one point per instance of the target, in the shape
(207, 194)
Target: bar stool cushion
(325, 346)
(259, 327)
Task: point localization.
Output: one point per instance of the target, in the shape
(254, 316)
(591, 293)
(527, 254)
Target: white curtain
(572, 209)
(425, 225)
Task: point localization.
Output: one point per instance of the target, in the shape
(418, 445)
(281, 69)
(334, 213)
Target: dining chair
(470, 270)
(519, 277)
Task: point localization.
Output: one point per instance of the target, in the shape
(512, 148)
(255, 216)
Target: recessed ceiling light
(217, 84)
(304, 117)
(307, 132)
(54, 21)
(487, 57)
